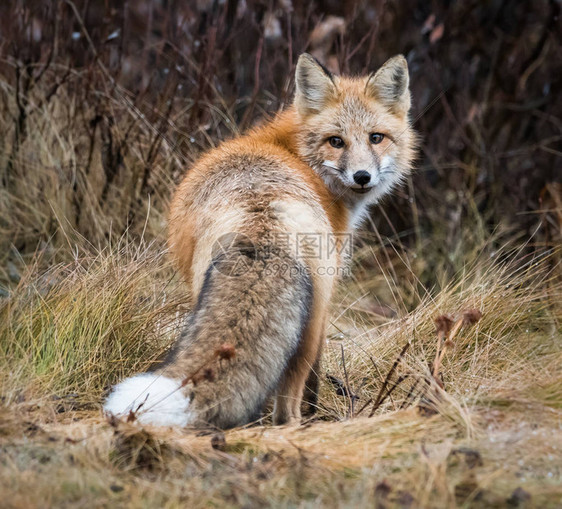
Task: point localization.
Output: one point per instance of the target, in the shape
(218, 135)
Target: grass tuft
(81, 326)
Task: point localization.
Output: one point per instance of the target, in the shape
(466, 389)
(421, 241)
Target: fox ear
(315, 85)
(389, 85)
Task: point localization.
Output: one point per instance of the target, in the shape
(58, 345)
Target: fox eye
(336, 141)
(376, 138)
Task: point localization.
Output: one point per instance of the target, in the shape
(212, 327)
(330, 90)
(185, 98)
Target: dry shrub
(103, 105)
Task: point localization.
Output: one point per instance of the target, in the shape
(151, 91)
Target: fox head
(355, 131)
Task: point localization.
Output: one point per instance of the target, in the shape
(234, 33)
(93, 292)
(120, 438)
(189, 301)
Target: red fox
(243, 223)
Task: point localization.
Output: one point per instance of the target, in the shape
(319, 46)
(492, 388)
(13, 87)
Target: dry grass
(493, 426)
(80, 325)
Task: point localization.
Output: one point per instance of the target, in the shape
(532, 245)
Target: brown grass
(486, 424)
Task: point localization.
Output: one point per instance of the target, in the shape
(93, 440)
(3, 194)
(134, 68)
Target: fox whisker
(331, 164)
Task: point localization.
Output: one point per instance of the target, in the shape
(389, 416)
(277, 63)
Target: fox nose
(362, 177)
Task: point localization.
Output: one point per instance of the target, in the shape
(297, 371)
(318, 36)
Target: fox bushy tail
(259, 304)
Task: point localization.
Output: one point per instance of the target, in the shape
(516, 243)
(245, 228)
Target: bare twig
(382, 394)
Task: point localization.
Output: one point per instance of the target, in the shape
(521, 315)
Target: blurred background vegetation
(104, 105)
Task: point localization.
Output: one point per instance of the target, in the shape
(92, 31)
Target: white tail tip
(161, 401)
